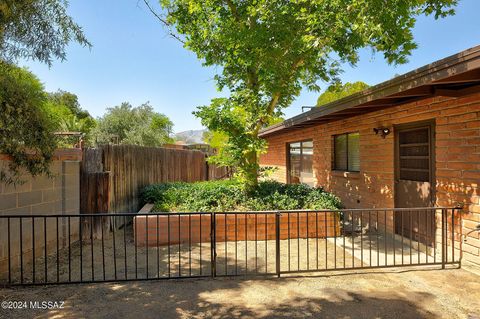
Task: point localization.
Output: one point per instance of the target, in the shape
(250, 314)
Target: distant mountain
(191, 136)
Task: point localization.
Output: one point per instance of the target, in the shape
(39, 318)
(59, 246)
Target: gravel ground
(451, 293)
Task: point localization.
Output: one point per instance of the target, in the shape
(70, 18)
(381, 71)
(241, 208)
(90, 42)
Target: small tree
(218, 141)
(140, 125)
(228, 153)
(268, 50)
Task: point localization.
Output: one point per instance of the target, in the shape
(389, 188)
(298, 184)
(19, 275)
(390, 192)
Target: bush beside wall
(227, 195)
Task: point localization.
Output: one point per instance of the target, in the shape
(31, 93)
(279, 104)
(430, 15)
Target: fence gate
(52, 249)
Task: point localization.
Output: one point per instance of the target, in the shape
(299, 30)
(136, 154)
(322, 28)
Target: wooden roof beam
(416, 92)
(457, 93)
(472, 76)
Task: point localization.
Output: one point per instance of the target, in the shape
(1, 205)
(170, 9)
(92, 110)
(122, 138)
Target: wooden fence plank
(130, 168)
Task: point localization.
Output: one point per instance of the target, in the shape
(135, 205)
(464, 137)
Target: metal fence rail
(53, 249)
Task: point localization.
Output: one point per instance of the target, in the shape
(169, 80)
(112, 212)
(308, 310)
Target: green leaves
(268, 50)
(338, 91)
(140, 125)
(69, 101)
(65, 111)
(37, 29)
(229, 195)
(26, 132)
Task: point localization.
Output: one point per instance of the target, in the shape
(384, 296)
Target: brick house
(413, 141)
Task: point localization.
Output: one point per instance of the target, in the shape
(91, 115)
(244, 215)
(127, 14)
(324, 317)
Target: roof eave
(431, 74)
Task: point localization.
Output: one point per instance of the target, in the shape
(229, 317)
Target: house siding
(457, 157)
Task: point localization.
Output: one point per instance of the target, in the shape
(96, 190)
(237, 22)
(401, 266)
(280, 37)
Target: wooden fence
(130, 168)
(133, 167)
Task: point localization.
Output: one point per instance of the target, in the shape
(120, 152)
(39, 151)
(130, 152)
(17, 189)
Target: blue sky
(133, 60)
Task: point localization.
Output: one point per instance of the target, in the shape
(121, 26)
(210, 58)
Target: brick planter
(159, 230)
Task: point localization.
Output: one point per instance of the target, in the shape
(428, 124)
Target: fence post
(453, 235)
(213, 245)
(443, 238)
(460, 238)
(207, 169)
(277, 242)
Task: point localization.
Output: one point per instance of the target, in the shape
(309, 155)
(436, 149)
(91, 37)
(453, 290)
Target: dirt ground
(426, 293)
(393, 293)
(120, 259)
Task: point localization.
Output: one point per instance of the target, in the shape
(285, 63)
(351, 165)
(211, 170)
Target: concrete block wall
(457, 156)
(41, 195)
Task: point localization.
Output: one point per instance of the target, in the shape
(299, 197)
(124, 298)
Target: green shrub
(228, 195)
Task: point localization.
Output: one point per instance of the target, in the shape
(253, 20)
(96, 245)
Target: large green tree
(70, 101)
(65, 110)
(268, 50)
(140, 125)
(26, 131)
(38, 30)
(338, 90)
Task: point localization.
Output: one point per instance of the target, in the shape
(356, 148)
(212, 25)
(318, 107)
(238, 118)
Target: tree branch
(274, 100)
(164, 22)
(234, 10)
(270, 108)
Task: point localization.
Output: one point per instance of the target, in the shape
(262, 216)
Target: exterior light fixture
(383, 131)
(472, 231)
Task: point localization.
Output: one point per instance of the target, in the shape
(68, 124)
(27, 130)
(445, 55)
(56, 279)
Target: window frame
(334, 163)
(289, 176)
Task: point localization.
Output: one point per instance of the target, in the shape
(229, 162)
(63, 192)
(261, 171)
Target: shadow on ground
(415, 294)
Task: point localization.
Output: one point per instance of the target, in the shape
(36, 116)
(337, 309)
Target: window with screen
(414, 152)
(346, 154)
(300, 159)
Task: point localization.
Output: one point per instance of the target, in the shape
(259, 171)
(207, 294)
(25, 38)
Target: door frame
(415, 125)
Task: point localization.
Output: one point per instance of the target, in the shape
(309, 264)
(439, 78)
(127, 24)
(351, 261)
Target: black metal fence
(52, 249)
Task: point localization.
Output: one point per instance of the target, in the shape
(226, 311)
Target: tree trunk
(251, 170)
(252, 166)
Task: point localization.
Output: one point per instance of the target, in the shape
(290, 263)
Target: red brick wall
(229, 228)
(457, 152)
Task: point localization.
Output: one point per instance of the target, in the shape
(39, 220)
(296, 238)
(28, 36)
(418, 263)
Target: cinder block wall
(42, 195)
(457, 155)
